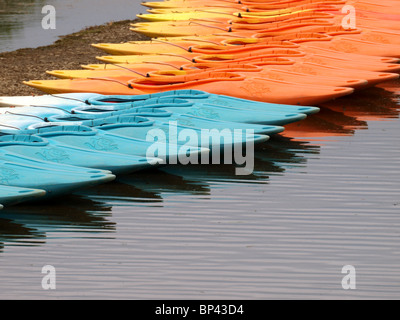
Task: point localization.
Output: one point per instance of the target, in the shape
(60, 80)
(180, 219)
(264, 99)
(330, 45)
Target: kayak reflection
(29, 224)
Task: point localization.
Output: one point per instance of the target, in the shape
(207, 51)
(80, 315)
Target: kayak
(197, 3)
(198, 27)
(184, 45)
(378, 44)
(304, 42)
(267, 72)
(373, 35)
(140, 128)
(13, 157)
(66, 102)
(24, 120)
(385, 6)
(208, 98)
(40, 149)
(24, 116)
(183, 4)
(136, 127)
(54, 182)
(221, 14)
(97, 140)
(373, 78)
(45, 100)
(30, 115)
(72, 100)
(13, 195)
(222, 83)
(203, 110)
(270, 52)
(160, 117)
(273, 58)
(267, 8)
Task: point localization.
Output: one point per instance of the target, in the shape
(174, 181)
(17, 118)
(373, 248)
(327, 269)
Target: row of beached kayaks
(61, 143)
(241, 66)
(296, 52)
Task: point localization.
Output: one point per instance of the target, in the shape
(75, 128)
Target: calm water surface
(21, 20)
(324, 195)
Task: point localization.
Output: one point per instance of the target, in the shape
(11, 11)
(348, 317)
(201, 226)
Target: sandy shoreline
(69, 52)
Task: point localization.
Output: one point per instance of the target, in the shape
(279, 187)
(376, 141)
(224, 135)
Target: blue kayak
(181, 107)
(54, 182)
(176, 106)
(195, 96)
(156, 112)
(79, 99)
(137, 127)
(84, 137)
(13, 195)
(14, 157)
(220, 113)
(40, 149)
(26, 116)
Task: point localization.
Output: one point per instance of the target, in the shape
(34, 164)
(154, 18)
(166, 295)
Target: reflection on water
(29, 224)
(345, 116)
(149, 188)
(21, 20)
(324, 194)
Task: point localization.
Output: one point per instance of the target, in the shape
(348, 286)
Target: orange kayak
(266, 72)
(224, 83)
(344, 41)
(306, 42)
(312, 43)
(312, 69)
(293, 55)
(379, 36)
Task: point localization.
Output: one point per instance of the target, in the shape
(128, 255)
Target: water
(324, 196)
(21, 20)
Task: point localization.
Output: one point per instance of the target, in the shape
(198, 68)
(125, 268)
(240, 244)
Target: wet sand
(69, 52)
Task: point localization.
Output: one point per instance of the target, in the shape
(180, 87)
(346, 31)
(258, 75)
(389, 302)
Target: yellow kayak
(250, 5)
(190, 15)
(163, 58)
(225, 9)
(206, 27)
(183, 46)
(130, 71)
(102, 66)
(188, 4)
